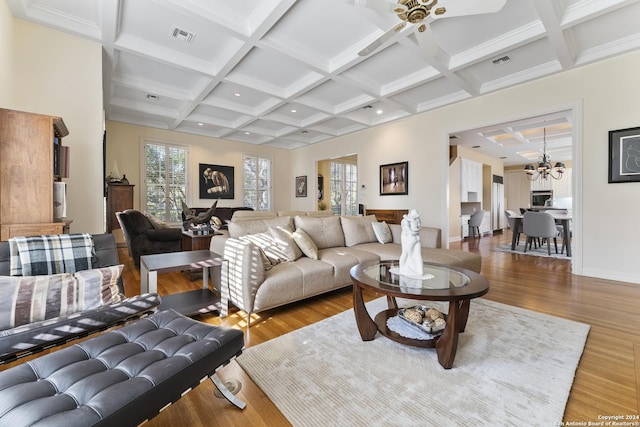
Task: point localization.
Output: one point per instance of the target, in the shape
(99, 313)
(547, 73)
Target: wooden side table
(193, 242)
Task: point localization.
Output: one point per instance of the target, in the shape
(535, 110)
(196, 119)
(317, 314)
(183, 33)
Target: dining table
(562, 217)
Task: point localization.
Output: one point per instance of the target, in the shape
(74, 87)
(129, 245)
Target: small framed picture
(624, 155)
(394, 179)
(301, 186)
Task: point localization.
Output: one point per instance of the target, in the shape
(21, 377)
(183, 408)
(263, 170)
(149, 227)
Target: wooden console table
(390, 216)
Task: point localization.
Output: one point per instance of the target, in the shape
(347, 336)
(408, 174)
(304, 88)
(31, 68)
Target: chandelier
(544, 169)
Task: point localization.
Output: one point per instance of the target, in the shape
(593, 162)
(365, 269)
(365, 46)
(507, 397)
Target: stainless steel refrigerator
(498, 219)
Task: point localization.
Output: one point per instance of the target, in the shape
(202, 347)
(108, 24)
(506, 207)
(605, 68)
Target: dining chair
(540, 225)
(511, 221)
(474, 223)
(560, 228)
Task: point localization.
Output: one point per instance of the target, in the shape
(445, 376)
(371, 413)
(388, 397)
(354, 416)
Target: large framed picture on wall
(216, 182)
(394, 179)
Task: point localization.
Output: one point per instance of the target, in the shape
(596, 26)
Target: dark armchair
(143, 238)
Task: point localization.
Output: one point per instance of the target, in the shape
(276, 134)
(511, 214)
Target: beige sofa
(255, 282)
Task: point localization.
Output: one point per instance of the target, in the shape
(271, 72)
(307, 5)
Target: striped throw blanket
(62, 253)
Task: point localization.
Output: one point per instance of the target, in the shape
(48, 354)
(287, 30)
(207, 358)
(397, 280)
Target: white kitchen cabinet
(470, 181)
(562, 187)
(485, 227)
(464, 225)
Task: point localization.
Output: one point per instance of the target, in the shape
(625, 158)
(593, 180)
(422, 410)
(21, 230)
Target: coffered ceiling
(286, 73)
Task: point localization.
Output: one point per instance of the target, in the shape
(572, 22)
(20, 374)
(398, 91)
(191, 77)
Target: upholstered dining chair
(474, 223)
(511, 221)
(540, 225)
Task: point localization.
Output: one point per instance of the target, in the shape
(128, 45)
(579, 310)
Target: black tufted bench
(122, 377)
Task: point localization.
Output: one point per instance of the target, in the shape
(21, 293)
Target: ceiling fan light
(440, 11)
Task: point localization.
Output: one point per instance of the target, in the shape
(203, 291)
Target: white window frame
(343, 184)
(270, 190)
(143, 169)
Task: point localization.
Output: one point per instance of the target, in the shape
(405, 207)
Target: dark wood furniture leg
(448, 343)
(366, 326)
(514, 238)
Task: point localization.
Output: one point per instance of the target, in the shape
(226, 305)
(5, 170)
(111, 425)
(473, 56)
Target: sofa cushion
(286, 243)
(156, 222)
(28, 299)
(382, 232)
(305, 243)
(269, 247)
(242, 228)
(326, 232)
(358, 229)
(250, 215)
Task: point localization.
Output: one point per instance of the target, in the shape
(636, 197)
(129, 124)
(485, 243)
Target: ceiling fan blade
(427, 44)
(379, 5)
(465, 7)
(382, 39)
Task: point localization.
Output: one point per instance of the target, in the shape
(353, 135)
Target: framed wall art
(216, 182)
(394, 179)
(624, 155)
(301, 186)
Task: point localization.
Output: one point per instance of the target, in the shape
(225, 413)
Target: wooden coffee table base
(446, 344)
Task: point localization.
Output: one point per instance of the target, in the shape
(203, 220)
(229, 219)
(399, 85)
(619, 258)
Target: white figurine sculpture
(411, 257)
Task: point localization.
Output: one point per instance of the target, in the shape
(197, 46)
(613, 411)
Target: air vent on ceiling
(502, 60)
(181, 34)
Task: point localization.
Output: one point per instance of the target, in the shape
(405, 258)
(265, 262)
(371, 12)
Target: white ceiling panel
(236, 70)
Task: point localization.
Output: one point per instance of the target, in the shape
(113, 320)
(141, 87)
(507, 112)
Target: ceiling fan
(420, 13)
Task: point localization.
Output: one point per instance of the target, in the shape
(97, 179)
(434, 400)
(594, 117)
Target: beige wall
(60, 75)
(124, 143)
(7, 67)
(603, 97)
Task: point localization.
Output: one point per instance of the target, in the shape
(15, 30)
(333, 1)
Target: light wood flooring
(606, 381)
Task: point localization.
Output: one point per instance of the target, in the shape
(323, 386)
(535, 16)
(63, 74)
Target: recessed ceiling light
(379, 112)
(247, 133)
(502, 157)
(366, 107)
(200, 124)
(304, 131)
(236, 94)
(153, 97)
(475, 146)
(294, 111)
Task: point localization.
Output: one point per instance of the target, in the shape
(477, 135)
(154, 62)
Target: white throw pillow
(382, 232)
(306, 245)
(287, 245)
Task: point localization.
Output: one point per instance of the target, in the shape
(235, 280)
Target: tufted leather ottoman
(122, 377)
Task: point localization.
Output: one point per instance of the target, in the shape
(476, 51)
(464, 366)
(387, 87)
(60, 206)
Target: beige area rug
(540, 251)
(513, 367)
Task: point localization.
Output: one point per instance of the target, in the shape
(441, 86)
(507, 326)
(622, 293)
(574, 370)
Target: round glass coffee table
(439, 283)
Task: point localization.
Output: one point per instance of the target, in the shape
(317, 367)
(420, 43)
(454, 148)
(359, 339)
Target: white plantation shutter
(257, 182)
(344, 188)
(165, 180)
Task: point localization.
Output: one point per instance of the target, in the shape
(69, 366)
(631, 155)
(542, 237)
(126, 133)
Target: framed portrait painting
(301, 186)
(216, 182)
(394, 179)
(624, 155)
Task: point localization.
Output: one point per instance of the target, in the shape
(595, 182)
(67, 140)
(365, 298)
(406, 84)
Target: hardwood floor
(606, 381)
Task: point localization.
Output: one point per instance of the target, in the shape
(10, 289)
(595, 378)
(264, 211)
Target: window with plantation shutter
(257, 182)
(165, 180)
(344, 188)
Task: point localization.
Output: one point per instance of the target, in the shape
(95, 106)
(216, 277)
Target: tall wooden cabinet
(119, 198)
(26, 173)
